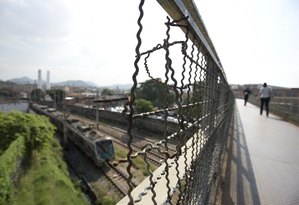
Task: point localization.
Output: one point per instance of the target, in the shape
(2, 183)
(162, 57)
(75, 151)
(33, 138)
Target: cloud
(35, 19)
(96, 40)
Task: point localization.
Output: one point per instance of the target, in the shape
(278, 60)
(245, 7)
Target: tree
(196, 95)
(126, 94)
(36, 130)
(107, 92)
(59, 95)
(142, 106)
(37, 94)
(153, 91)
(3, 93)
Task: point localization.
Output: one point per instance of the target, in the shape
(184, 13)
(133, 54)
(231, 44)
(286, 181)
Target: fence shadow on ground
(237, 181)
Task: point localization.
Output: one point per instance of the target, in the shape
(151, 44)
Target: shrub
(36, 130)
(8, 162)
(48, 182)
(19, 133)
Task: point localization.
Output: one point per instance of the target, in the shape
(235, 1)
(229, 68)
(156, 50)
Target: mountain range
(75, 83)
(24, 80)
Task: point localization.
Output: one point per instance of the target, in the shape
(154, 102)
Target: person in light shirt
(265, 94)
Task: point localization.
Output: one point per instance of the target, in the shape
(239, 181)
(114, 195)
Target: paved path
(261, 160)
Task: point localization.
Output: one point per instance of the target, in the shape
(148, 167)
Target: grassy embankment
(42, 177)
(47, 181)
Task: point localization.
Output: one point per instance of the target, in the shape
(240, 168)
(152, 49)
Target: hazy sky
(257, 40)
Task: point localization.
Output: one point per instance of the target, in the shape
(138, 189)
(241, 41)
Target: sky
(91, 40)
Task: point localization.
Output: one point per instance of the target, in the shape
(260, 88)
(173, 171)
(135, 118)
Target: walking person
(264, 95)
(246, 93)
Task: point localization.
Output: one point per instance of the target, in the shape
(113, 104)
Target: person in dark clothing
(246, 93)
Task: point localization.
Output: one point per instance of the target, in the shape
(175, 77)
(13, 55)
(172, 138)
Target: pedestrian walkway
(261, 160)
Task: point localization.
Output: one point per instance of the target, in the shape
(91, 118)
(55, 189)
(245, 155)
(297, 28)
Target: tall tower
(39, 80)
(48, 81)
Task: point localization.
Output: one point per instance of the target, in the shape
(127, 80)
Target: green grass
(138, 163)
(293, 118)
(106, 195)
(120, 154)
(47, 181)
(145, 132)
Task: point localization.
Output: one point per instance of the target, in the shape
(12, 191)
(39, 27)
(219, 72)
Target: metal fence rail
(287, 108)
(202, 97)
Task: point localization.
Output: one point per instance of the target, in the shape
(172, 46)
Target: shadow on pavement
(237, 184)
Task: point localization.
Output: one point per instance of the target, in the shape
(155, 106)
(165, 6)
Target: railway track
(171, 148)
(113, 175)
(118, 175)
(155, 157)
(109, 176)
(152, 159)
(90, 173)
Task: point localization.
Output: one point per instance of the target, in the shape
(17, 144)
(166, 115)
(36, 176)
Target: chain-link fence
(203, 106)
(286, 108)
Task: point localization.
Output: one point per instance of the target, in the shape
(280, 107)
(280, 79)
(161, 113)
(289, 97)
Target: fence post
(276, 107)
(97, 111)
(285, 116)
(64, 121)
(291, 110)
(54, 98)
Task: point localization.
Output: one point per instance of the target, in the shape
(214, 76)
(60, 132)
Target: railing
(189, 174)
(287, 108)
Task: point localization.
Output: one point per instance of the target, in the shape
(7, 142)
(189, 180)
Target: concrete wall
(18, 106)
(73, 101)
(152, 125)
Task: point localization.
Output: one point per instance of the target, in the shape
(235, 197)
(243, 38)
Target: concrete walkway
(261, 160)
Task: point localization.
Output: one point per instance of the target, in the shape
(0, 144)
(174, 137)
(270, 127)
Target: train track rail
(91, 121)
(122, 191)
(136, 146)
(109, 172)
(112, 167)
(155, 161)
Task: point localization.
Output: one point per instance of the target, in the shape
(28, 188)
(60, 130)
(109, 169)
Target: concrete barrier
(149, 124)
(17, 106)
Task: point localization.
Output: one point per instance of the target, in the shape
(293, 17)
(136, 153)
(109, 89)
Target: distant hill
(120, 87)
(24, 80)
(91, 83)
(75, 83)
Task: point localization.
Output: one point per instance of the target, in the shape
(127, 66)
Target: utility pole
(55, 98)
(29, 102)
(58, 98)
(64, 122)
(35, 90)
(89, 106)
(97, 111)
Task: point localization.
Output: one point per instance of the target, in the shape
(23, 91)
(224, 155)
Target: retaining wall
(17, 106)
(149, 124)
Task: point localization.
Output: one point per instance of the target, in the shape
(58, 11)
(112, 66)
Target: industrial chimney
(48, 81)
(39, 80)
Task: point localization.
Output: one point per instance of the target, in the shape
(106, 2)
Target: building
(47, 97)
(22, 88)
